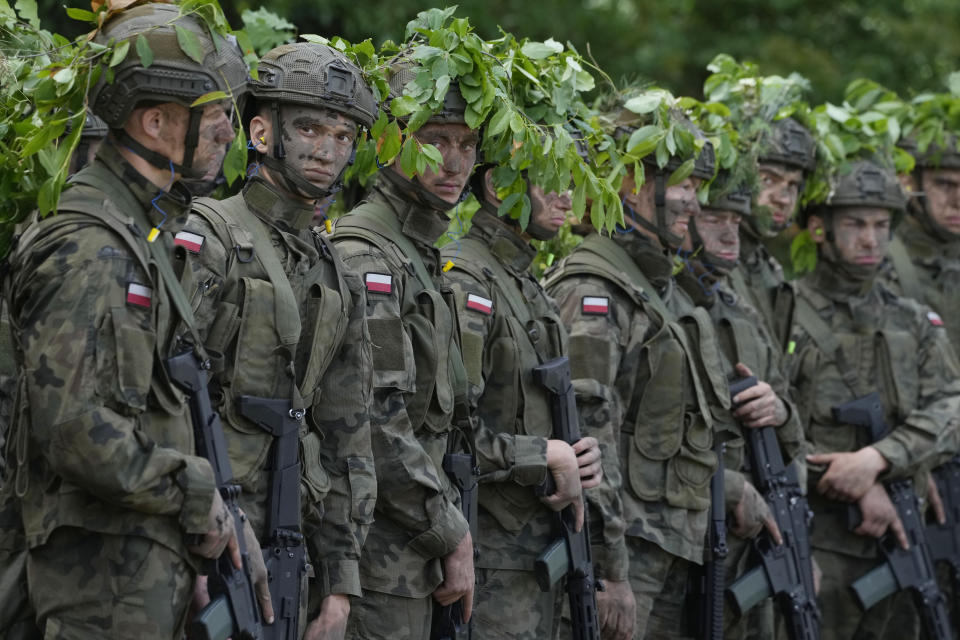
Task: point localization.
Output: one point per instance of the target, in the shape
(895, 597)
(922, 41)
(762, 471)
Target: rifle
(284, 551)
(944, 539)
(901, 568)
(570, 555)
(462, 470)
(784, 572)
(233, 610)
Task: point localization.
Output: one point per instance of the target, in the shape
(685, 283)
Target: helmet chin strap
(160, 161)
(668, 239)
(721, 265)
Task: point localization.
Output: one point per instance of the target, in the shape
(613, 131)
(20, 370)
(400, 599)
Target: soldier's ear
(260, 133)
(817, 229)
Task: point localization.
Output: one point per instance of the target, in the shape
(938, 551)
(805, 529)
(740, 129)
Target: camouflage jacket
(639, 392)
(927, 269)
(880, 343)
(321, 363)
(742, 337)
(508, 326)
(759, 280)
(418, 374)
(92, 327)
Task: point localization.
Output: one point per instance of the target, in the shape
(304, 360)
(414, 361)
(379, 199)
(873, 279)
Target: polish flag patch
(379, 283)
(479, 303)
(192, 242)
(139, 295)
(596, 306)
(934, 318)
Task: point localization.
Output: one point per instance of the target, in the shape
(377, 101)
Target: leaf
(541, 50)
(189, 43)
(65, 75)
(235, 162)
(81, 14)
(682, 173)
(389, 143)
(498, 123)
(643, 104)
(28, 12)
(953, 81)
(516, 123)
(418, 119)
(120, 53)
(508, 204)
(443, 84)
(432, 154)
(144, 51)
(212, 96)
(839, 114)
(408, 156)
(403, 106)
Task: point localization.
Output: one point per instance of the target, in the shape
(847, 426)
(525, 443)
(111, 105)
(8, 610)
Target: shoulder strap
(629, 272)
(822, 335)
(906, 270)
(239, 217)
(369, 218)
(476, 264)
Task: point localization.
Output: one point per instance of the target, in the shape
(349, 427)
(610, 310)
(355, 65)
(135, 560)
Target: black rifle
(570, 555)
(461, 468)
(284, 551)
(902, 568)
(944, 538)
(784, 571)
(707, 582)
(233, 610)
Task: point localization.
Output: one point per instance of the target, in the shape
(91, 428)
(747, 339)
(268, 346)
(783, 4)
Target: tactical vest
(528, 332)
(666, 445)
(933, 281)
(429, 316)
(759, 279)
(141, 390)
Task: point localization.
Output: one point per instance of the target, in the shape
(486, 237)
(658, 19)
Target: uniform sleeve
(596, 344)
(501, 457)
(89, 358)
(411, 491)
(346, 454)
(928, 434)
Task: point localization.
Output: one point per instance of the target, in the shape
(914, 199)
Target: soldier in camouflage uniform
(714, 243)
(642, 391)
(103, 470)
(786, 158)
(419, 548)
(853, 336)
(316, 357)
(508, 326)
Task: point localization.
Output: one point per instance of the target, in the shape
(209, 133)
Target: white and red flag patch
(934, 318)
(596, 306)
(139, 295)
(192, 242)
(479, 303)
(379, 282)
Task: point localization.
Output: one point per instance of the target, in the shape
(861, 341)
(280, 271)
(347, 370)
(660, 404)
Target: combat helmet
(313, 75)
(866, 184)
(172, 76)
(936, 156)
(790, 143)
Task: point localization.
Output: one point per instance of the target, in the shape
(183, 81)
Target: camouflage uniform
(508, 326)
(759, 280)
(93, 325)
(890, 345)
(641, 394)
(418, 375)
(241, 317)
(742, 338)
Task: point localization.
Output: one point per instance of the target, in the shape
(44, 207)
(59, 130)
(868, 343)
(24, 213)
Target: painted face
(549, 210)
(942, 187)
(216, 132)
(720, 232)
(780, 192)
(457, 143)
(317, 142)
(682, 205)
(861, 236)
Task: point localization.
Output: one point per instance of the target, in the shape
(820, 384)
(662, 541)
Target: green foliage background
(905, 45)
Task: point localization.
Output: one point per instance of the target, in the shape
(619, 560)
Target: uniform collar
(417, 222)
(924, 246)
(653, 261)
(515, 253)
(830, 280)
(273, 205)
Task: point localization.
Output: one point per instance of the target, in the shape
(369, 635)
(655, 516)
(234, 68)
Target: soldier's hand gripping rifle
(901, 568)
(569, 556)
(284, 551)
(785, 571)
(461, 468)
(233, 610)
(944, 539)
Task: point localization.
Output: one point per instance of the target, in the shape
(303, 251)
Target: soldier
(641, 393)
(851, 337)
(787, 157)
(714, 244)
(419, 548)
(104, 472)
(276, 301)
(508, 326)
